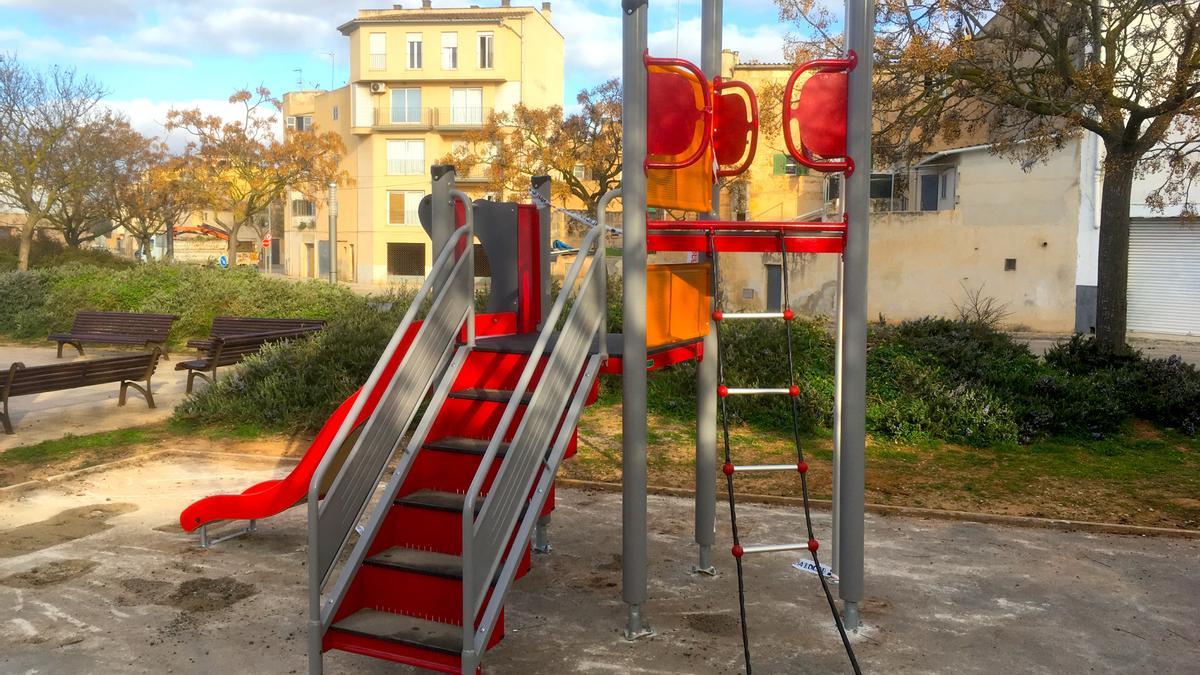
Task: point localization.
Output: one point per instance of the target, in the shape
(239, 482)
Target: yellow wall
(527, 69)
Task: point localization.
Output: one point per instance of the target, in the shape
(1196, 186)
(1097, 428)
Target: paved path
(1159, 347)
(85, 410)
(942, 597)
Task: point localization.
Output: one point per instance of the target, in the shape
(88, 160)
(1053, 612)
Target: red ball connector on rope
(738, 551)
(788, 315)
(722, 391)
(813, 545)
(802, 467)
(727, 469)
(793, 391)
(717, 315)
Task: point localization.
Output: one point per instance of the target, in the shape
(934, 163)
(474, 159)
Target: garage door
(1164, 278)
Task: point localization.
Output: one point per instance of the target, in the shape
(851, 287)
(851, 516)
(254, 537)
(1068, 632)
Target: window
(303, 208)
(485, 50)
(786, 165)
(405, 260)
(378, 47)
(466, 106)
(405, 158)
(774, 288)
(449, 51)
(406, 106)
(579, 171)
(300, 122)
(415, 45)
(402, 207)
(483, 266)
(334, 112)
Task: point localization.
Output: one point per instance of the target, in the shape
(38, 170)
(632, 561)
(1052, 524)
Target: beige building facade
(419, 79)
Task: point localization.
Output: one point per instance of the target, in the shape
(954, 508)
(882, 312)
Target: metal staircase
(468, 436)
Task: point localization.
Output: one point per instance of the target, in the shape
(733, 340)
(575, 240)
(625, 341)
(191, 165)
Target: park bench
(227, 351)
(22, 380)
(228, 326)
(121, 328)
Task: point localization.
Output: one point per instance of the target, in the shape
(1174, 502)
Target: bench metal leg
(77, 345)
(207, 542)
(145, 392)
(4, 419)
(193, 374)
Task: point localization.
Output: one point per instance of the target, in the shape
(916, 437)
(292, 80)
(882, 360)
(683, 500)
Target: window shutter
(780, 164)
(395, 208)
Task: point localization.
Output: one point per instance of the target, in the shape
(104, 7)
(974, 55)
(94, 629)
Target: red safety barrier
(672, 114)
(735, 126)
(819, 112)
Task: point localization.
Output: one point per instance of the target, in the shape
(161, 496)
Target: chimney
(506, 3)
(397, 6)
(546, 10)
(426, 4)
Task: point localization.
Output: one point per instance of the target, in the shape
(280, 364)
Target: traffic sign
(223, 261)
(266, 242)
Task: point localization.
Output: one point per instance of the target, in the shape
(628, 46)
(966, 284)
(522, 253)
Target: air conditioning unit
(378, 88)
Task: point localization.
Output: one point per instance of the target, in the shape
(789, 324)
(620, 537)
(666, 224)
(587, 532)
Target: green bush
(294, 386)
(46, 253)
(44, 301)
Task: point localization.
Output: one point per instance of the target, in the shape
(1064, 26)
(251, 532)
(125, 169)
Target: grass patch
(1138, 475)
(65, 448)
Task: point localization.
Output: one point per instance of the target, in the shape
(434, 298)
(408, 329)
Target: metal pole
(839, 343)
(442, 214)
(541, 187)
(706, 371)
(633, 365)
(333, 214)
(860, 18)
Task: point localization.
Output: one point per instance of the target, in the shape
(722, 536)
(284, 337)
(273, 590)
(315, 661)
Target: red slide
(275, 496)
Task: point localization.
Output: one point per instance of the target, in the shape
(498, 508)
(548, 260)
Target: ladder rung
(766, 467)
(774, 548)
(751, 315)
(755, 390)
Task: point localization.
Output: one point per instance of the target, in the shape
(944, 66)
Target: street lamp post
(333, 214)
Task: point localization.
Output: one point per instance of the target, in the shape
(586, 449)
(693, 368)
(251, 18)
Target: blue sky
(154, 54)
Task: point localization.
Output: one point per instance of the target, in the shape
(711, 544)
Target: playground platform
(99, 578)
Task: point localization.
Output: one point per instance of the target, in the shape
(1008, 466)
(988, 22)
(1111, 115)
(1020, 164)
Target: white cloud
(99, 48)
(149, 116)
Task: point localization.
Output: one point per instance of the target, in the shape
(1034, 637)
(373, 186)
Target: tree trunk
(27, 229)
(231, 252)
(1113, 269)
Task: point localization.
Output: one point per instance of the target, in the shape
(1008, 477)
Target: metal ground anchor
(635, 629)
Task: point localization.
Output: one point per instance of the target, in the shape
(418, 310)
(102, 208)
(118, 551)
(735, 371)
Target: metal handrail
(321, 561)
(474, 639)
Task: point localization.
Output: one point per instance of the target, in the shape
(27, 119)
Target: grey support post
(706, 372)
(541, 187)
(860, 18)
(442, 215)
(633, 371)
(333, 216)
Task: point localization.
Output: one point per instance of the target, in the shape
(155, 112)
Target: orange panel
(678, 301)
(688, 189)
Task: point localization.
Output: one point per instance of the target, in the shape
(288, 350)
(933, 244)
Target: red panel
(391, 651)
(821, 112)
(735, 126)
(672, 112)
(529, 269)
(744, 243)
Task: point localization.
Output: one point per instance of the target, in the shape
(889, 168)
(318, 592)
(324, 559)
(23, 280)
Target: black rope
(712, 251)
(799, 459)
(837, 618)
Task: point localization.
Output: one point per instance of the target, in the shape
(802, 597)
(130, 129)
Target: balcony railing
(425, 119)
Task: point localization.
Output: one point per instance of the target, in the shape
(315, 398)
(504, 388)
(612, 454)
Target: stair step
(421, 562)
(405, 630)
(466, 446)
(490, 395)
(437, 500)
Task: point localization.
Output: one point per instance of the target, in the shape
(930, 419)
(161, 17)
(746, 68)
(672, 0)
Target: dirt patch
(72, 524)
(50, 573)
(613, 565)
(144, 592)
(712, 623)
(209, 595)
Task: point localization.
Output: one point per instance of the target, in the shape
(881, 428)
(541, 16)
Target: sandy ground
(95, 576)
(87, 410)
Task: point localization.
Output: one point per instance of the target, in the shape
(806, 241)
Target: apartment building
(419, 79)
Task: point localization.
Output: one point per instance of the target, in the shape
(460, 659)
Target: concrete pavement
(126, 591)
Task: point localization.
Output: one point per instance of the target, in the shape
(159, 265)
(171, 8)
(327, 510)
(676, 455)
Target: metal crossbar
(801, 467)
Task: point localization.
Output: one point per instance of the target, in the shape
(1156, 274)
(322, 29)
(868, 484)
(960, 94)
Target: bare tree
(240, 167)
(544, 141)
(1028, 75)
(38, 111)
